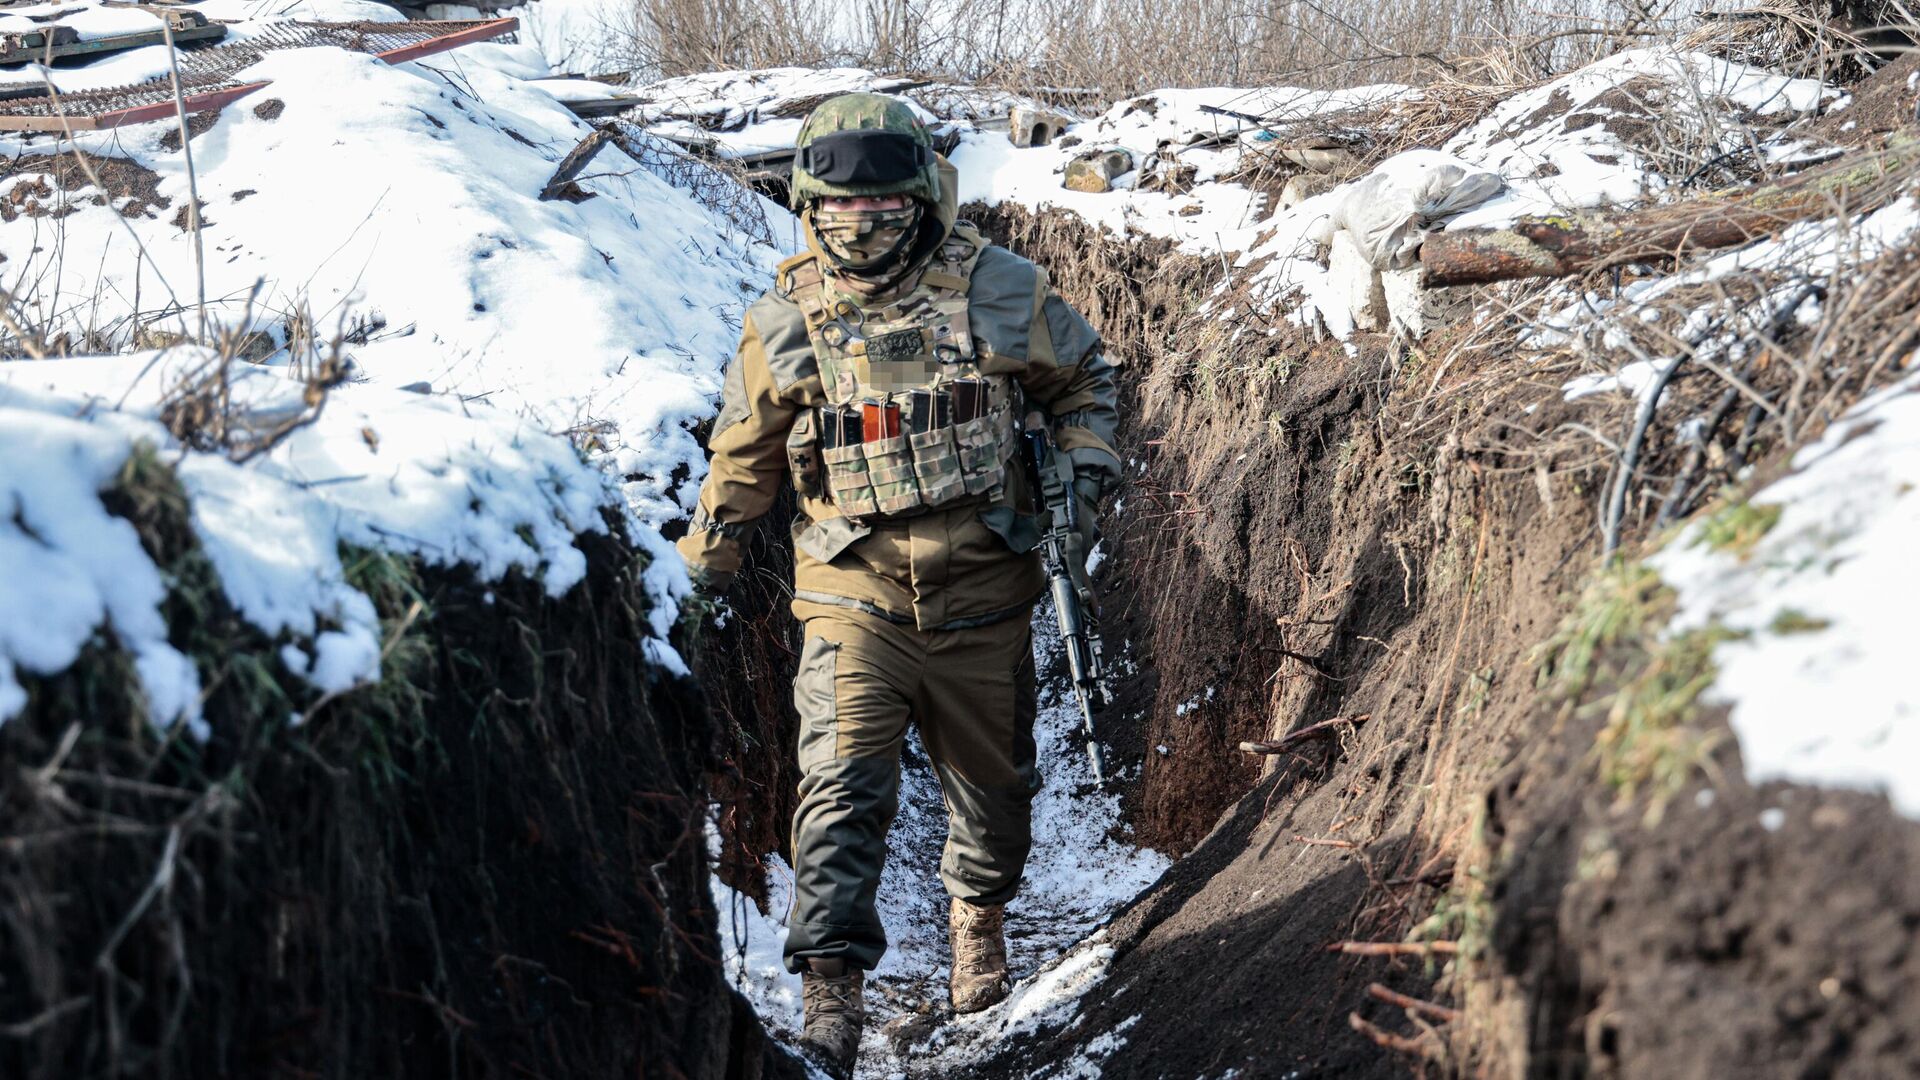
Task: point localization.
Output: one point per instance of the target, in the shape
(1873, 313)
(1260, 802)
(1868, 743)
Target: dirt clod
(198, 124)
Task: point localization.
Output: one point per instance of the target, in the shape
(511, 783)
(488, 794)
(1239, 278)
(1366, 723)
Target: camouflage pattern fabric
(863, 112)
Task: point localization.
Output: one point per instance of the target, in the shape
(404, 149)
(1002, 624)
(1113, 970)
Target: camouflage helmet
(863, 144)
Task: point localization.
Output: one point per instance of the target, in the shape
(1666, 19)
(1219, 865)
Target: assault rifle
(1052, 477)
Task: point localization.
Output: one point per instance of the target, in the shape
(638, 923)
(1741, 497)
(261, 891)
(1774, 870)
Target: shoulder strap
(797, 274)
(800, 280)
(952, 268)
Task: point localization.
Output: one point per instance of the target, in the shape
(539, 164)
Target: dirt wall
(491, 864)
(1400, 540)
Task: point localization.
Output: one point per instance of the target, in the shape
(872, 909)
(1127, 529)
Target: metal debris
(207, 71)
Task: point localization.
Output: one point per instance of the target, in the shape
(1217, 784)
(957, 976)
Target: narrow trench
(1298, 543)
(1088, 861)
(1193, 642)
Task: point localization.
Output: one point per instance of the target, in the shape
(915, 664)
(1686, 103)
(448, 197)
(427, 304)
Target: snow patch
(451, 484)
(1820, 685)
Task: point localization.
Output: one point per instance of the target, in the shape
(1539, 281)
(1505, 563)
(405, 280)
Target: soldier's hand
(1086, 494)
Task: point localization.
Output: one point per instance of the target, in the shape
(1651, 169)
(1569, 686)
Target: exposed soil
(492, 864)
(47, 179)
(1752, 932)
(747, 664)
(1310, 536)
(1882, 102)
(198, 124)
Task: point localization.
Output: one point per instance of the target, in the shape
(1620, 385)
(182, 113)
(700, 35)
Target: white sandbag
(1390, 210)
(1356, 282)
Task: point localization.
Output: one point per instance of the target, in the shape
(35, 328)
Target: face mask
(864, 239)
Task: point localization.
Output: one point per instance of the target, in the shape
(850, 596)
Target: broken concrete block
(1355, 279)
(1085, 176)
(1027, 126)
(1094, 172)
(1303, 186)
(1415, 310)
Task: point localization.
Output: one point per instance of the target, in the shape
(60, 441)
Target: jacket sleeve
(1069, 376)
(748, 465)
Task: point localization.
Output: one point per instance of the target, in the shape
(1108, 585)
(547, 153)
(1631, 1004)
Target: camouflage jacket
(951, 567)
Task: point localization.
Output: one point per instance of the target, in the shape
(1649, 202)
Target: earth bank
(1311, 537)
(493, 863)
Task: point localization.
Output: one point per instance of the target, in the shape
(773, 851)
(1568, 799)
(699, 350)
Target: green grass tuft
(1651, 743)
(1788, 621)
(1651, 682)
(1618, 606)
(1738, 527)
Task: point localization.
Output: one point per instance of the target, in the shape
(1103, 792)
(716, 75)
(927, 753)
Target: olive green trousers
(862, 680)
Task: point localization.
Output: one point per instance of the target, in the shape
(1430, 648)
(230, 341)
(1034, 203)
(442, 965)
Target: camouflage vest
(912, 359)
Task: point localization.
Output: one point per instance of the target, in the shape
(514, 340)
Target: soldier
(885, 376)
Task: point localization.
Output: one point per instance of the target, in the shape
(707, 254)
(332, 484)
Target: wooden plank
(117, 43)
(561, 185)
(48, 123)
(1561, 245)
(484, 32)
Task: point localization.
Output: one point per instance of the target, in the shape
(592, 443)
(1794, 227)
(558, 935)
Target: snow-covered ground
(1081, 870)
(1577, 142)
(516, 366)
(1820, 678)
(519, 367)
(414, 473)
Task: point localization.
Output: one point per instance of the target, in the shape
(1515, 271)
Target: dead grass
(1812, 39)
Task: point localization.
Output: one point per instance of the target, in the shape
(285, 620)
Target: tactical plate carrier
(916, 419)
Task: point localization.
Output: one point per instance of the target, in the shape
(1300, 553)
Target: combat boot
(836, 1008)
(979, 955)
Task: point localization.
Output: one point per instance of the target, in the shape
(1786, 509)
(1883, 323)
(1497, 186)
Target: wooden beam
(486, 31)
(30, 53)
(1560, 245)
(561, 184)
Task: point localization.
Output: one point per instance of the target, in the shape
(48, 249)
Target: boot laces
(977, 943)
(831, 995)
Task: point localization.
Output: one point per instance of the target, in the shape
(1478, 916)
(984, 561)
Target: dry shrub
(1069, 51)
(716, 183)
(1833, 40)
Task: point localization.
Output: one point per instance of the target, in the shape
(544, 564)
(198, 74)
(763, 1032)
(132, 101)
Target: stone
(1094, 172)
(1355, 279)
(1027, 126)
(1085, 175)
